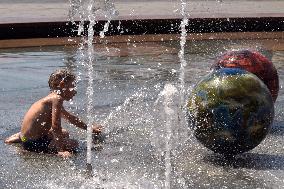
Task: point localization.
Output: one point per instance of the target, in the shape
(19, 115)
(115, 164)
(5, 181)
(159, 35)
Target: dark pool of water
(127, 86)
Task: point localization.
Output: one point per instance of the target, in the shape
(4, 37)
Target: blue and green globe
(231, 111)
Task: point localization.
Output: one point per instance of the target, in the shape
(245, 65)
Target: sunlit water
(88, 11)
(128, 82)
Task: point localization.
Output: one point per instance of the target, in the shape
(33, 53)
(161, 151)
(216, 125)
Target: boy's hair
(60, 75)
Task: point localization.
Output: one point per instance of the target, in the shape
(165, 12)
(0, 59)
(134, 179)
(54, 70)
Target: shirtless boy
(41, 129)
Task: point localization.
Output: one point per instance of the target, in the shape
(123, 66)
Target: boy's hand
(65, 154)
(97, 129)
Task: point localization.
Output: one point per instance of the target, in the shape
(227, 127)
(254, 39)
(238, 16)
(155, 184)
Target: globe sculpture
(253, 62)
(231, 111)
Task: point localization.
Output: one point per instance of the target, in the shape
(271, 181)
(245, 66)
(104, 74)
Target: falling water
(168, 93)
(182, 111)
(110, 12)
(183, 62)
(89, 12)
(77, 7)
(90, 90)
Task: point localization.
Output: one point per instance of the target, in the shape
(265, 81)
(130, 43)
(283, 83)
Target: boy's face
(69, 90)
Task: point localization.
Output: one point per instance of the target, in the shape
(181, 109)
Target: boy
(41, 129)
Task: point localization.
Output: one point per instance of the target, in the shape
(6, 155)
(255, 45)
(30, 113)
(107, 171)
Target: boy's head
(64, 81)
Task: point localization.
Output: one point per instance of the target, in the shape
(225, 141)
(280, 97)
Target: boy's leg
(69, 144)
(15, 138)
(65, 134)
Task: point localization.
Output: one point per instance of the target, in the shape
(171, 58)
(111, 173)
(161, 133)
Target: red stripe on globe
(254, 62)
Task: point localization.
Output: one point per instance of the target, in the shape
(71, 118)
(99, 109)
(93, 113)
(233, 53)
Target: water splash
(77, 7)
(110, 12)
(106, 27)
(220, 1)
(90, 11)
(183, 36)
(90, 90)
(120, 111)
(149, 118)
(101, 9)
(183, 62)
(168, 93)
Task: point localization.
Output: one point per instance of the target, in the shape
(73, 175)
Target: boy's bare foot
(15, 138)
(64, 154)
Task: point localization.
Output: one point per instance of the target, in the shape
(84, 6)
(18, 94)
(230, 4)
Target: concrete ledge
(28, 11)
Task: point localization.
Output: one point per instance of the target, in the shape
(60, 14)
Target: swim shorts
(36, 145)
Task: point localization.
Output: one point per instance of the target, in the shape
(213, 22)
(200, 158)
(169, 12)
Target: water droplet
(114, 161)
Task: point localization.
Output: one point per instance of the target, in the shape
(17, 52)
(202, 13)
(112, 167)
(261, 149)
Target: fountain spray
(89, 13)
(183, 62)
(168, 93)
(90, 90)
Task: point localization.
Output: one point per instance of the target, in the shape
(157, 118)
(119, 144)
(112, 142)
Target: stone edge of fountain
(64, 33)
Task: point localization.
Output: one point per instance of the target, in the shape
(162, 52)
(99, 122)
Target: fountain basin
(130, 70)
(134, 145)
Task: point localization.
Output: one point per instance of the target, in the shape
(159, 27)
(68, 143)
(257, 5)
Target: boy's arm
(79, 123)
(57, 105)
(73, 119)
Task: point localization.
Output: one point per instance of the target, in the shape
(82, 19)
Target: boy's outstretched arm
(79, 123)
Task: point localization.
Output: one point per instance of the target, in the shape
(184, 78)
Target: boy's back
(37, 120)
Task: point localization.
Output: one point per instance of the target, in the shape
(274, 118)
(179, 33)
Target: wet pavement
(16, 11)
